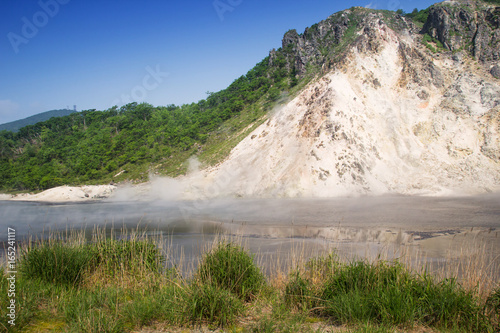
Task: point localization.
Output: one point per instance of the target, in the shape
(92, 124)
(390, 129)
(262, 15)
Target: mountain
(404, 109)
(364, 102)
(14, 126)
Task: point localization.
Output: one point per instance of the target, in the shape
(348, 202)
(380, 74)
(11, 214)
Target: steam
(222, 181)
(161, 188)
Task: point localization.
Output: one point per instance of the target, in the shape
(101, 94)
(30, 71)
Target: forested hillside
(137, 139)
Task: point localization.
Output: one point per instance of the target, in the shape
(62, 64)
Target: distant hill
(14, 126)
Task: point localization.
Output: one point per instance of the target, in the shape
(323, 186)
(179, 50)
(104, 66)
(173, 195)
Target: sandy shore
(65, 194)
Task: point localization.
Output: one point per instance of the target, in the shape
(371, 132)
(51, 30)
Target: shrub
(426, 39)
(230, 267)
(419, 16)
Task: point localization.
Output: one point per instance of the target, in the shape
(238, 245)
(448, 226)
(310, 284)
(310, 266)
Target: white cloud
(371, 5)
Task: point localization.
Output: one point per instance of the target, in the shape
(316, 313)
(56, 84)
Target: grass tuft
(127, 254)
(57, 263)
(209, 303)
(388, 294)
(93, 311)
(230, 267)
(492, 308)
(299, 292)
(68, 263)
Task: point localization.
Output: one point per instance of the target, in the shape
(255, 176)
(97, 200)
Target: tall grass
(229, 267)
(68, 262)
(93, 310)
(212, 304)
(388, 294)
(105, 283)
(56, 262)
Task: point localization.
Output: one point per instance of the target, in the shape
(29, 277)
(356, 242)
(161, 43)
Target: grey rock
(490, 95)
(495, 71)
(466, 25)
(436, 76)
(458, 57)
(423, 94)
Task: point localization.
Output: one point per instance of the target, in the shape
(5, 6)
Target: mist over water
(359, 227)
(259, 216)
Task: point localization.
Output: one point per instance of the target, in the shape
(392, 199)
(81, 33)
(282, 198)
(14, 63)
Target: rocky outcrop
(412, 71)
(323, 44)
(313, 45)
(385, 115)
(459, 25)
(472, 26)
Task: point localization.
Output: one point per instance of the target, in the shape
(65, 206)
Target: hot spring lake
(277, 227)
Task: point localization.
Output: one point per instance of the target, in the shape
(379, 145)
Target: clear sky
(96, 54)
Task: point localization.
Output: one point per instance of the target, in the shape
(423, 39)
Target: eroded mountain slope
(390, 117)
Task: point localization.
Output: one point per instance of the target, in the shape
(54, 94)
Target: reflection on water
(279, 228)
(407, 213)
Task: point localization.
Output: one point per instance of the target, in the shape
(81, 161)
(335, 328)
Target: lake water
(407, 213)
(272, 227)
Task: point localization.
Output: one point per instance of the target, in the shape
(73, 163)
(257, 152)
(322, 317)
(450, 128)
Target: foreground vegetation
(109, 285)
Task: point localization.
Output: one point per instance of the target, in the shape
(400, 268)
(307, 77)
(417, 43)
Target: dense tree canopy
(94, 145)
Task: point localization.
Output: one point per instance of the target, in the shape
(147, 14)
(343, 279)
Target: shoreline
(65, 194)
(171, 190)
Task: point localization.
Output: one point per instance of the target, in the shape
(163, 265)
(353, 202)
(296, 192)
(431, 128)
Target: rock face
(323, 44)
(308, 47)
(466, 25)
(459, 25)
(390, 116)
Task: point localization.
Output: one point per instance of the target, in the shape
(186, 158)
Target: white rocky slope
(392, 118)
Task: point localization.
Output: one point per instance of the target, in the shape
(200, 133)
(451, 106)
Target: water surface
(276, 227)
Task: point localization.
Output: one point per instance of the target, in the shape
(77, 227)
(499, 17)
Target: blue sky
(96, 54)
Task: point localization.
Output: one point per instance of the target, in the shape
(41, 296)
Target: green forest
(93, 146)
